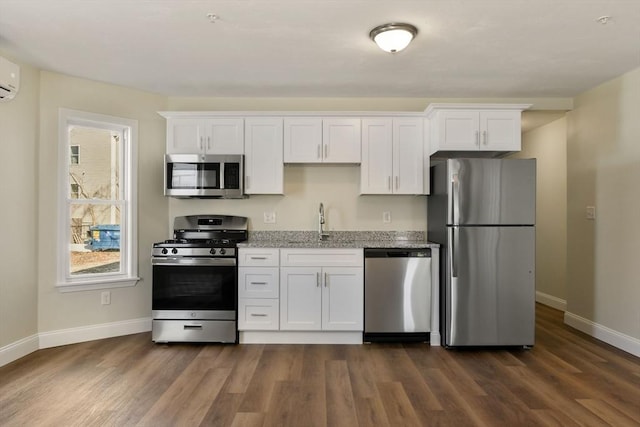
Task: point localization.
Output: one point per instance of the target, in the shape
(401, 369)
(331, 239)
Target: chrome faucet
(321, 221)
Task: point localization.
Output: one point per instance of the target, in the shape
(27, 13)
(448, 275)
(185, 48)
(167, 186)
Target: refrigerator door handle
(455, 200)
(455, 244)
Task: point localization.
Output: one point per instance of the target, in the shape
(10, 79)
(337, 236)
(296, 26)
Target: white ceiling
(321, 48)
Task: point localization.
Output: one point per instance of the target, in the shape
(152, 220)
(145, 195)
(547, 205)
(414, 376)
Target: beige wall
(19, 215)
(67, 310)
(548, 145)
(603, 170)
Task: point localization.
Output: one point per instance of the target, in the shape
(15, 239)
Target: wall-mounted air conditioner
(9, 79)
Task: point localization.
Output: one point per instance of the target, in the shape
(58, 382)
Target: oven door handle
(231, 262)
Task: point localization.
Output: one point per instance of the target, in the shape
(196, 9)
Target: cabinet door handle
(389, 182)
(319, 152)
(326, 280)
(208, 143)
(258, 315)
(485, 137)
(397, 182)
(326, 151)
(201, 143)
(246, 182)
(478, 138)
(317, 280)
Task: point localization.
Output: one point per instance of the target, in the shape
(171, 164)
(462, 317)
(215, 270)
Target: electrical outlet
(105, 298)
(269, 217)
(386, 217)
(590, 212)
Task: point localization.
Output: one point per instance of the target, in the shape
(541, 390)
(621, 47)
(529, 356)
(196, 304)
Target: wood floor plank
(397, 405)
(566, 379)
(340, 403)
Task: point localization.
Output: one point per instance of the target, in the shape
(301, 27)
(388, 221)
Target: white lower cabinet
(258, 289)
(300, 295)
(321, 296)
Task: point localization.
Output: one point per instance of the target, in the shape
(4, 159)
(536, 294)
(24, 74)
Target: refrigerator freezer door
(491, 191)
(490, 297)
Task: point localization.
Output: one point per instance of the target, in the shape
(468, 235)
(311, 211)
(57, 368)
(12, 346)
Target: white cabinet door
(500, 131)
(300, 299)
(376, 170)
(392, 156)
(210, 136)
(341, 140)
(302, 140)
(408, 154)
(342, 299)
(263, 167)
(458, 130)
(224, 136)
(185, 136)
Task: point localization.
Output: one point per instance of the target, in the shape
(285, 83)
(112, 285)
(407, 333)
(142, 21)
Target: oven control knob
(165, 251)
(212, 251)
(222, 251)
(174, 251)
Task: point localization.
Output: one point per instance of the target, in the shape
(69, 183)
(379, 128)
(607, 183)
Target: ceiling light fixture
(393, 37)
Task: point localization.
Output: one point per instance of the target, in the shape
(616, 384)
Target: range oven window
(194, 287)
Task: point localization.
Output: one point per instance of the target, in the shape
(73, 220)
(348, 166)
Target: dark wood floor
(567, 379)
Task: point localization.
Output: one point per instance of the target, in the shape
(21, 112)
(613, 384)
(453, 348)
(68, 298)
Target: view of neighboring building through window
(75, 154)
(97, 220)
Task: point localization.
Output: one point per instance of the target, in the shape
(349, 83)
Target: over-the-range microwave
(204, 175)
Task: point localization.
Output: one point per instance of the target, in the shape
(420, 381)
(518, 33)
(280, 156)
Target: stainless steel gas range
(195, 276)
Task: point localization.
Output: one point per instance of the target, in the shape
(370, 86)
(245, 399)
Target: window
(97, 219)
(75, 154)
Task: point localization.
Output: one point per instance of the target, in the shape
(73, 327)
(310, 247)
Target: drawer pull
(258, 315)
(258, 283)
(187, 327)
(258, 257)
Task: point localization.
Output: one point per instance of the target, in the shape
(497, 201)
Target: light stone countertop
(338, 239)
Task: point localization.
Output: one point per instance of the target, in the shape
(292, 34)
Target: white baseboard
(610, 336)
(300, 337)
(18, 349)
(434, 339)
(94, 332)
(551, 301)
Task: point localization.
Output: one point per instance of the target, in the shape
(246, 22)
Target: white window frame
(128, 274)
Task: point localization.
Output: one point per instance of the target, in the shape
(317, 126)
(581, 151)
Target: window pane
(98, 175)
(95, 238)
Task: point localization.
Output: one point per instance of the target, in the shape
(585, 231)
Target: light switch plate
(269, 217)
(386, 217)
(590, 212)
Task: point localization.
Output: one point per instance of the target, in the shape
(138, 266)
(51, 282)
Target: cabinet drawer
(258, 257)
(321, 257)
(258, 282)
(258, 314)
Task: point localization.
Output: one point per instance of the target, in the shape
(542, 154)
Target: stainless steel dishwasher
(397, 294)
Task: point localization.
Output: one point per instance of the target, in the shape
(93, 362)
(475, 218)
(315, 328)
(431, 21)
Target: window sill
(90, 285)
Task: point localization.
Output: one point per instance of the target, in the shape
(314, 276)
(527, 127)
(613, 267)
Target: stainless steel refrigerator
(482, 211)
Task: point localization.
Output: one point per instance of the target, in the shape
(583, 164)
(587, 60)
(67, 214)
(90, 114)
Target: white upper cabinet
(321, 140)
(205, 136)
(469, 127)
(302, 140)
(392, 156)
(341, 140)
(263, 167)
